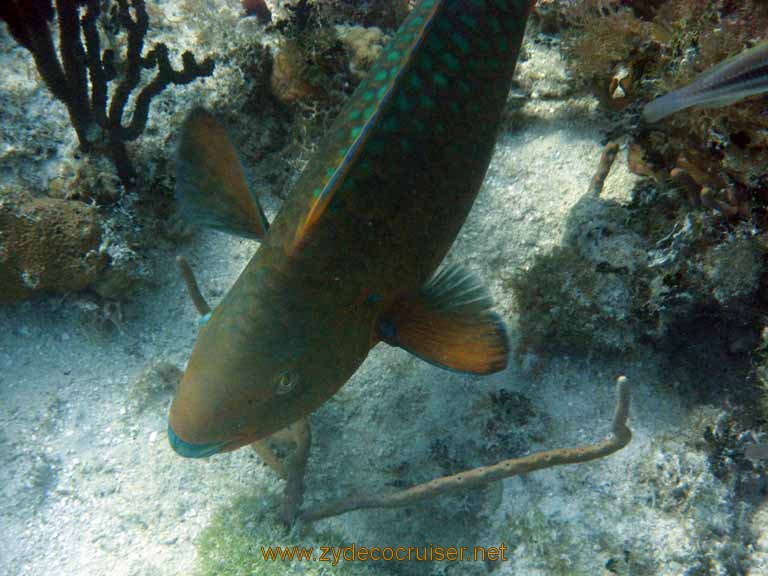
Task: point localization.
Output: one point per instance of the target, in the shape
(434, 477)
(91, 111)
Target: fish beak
(189, 450)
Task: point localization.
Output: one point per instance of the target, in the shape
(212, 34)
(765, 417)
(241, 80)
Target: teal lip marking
(189, 450)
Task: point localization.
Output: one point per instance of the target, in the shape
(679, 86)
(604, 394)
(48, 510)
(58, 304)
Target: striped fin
(449, 323)
(210, 180)
(733, 79)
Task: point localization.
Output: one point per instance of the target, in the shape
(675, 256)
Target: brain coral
(47, 244)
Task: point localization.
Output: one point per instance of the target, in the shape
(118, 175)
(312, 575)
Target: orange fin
(210, 180)
(449, 323)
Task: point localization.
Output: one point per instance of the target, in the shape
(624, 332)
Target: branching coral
(606, 35)
(96, 118)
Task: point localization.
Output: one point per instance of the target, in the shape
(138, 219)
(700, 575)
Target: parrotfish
(352, 257)
(733, 79)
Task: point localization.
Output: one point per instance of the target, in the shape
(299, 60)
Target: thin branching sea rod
(86, 79)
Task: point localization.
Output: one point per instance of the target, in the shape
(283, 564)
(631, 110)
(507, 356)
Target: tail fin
(210, 180)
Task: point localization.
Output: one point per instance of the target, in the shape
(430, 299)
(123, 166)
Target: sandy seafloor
(89, 485)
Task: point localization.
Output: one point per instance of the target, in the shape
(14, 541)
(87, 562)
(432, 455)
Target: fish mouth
(190, 450)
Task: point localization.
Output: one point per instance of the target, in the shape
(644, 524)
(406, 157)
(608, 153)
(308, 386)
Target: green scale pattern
(432, 85)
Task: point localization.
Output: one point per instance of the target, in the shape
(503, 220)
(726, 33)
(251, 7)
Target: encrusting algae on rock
(699, 207)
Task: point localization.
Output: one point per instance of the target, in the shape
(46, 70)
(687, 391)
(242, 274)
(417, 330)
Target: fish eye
(286, 382)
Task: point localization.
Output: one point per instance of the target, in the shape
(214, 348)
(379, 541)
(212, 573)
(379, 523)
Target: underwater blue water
(431, 318)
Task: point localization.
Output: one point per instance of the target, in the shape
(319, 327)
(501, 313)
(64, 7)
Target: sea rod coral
(96, 117)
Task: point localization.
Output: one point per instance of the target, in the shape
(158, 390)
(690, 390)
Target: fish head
(257, 367)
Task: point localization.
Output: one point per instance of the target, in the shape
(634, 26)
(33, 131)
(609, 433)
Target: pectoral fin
(210, 180)
(449, 323)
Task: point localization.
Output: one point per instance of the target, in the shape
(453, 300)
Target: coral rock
(47, 244)
(290, 83)
(364, 45)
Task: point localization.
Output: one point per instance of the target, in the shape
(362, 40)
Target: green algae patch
(241, 536)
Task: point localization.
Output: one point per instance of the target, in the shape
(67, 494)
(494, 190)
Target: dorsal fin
(364, 114)
(210, 180)
(449, 323)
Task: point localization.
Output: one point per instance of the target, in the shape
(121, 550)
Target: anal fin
(210, 180)
(449, 323)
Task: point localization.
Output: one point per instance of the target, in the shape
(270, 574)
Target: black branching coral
(86, 80)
